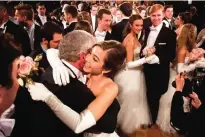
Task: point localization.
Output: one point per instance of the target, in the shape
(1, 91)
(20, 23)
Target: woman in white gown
(134, 111)
(101, 64)
(185, 44)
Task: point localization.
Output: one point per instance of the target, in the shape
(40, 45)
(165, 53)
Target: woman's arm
(77, 122)
(181, 65)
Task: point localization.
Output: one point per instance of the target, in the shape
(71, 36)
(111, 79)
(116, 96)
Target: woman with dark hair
(134, 111)
(182, 19)
(9, 55)
(84, 25)
(101, 64)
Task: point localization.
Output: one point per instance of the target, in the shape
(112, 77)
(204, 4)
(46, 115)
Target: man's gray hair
(74, 43)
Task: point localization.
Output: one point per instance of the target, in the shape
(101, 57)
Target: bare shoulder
(111, 87)
(128, 41)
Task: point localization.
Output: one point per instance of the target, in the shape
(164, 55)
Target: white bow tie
(100, 34)
(153, 29)
(6, 125)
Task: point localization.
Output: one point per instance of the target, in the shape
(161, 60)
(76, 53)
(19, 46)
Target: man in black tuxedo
(169, 19)
(157, 71)
(93, 16)
(70, 15)
(20, 35)
(50, 34)
(41, 18)
(76, 95)
(104, 21)
(25, 17)
(117, 29)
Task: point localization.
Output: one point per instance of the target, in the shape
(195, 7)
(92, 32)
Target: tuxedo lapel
(38, 20)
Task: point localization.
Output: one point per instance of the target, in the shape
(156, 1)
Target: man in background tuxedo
(7, 26)
(25, 17)
(93, 16)
(117, 29)
(41, 18)
(157, 71)
(168, 19)
(76, 95)
(104, 21)
(70, 15)
(50, 35)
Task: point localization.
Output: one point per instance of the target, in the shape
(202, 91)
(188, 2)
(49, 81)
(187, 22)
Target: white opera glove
(181, 67)
(200, 63)
(153, 59)
(77, 122)
(38, 91)
(60, 72)
(136, 63)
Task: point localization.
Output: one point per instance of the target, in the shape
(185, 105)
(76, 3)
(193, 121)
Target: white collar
(92, 16)
(2, 26)
(7, 125)
(42, 16)
(32, 27)
(169, 20)
(159, 27)
(77, 72)
(125, 18)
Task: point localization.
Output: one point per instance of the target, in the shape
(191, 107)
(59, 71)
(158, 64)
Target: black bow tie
(1, 30)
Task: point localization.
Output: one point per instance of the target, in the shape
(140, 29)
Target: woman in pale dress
(101, 64)
(185, 44)
(134, 111)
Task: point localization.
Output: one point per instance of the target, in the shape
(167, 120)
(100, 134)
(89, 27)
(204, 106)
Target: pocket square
(162, 43)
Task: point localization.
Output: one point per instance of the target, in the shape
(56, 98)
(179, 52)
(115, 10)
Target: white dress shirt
(3, 27)
(77, 72)
(31, 35)
(100, 36)
(154, 32)
(93, 19)
(43, 19)
(6, 127)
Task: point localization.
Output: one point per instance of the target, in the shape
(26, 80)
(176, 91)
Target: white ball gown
(163, 118)
(132, 97)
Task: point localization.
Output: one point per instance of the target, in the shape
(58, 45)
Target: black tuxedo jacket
(37, 38)
(109, 36)
(157, 75)
(75, 95)
(117, 30)
(96, 23)
(38, 20)
(70, 28)
(190, 123)
(20, 35)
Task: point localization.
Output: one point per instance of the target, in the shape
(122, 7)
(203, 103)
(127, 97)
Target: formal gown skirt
(134, 111)
(163, 119)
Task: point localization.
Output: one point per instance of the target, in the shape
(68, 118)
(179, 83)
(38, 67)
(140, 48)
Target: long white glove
(200, 63)
(140, 62)
(77, 122)
(181, 67)
(153, 59)
(136, 63)
(60, 72)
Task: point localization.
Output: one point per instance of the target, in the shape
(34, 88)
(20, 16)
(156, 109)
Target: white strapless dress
(163, 119)
(132, 98)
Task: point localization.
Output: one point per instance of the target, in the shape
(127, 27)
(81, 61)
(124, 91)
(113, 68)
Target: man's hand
(179, 82)
(196, 102)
